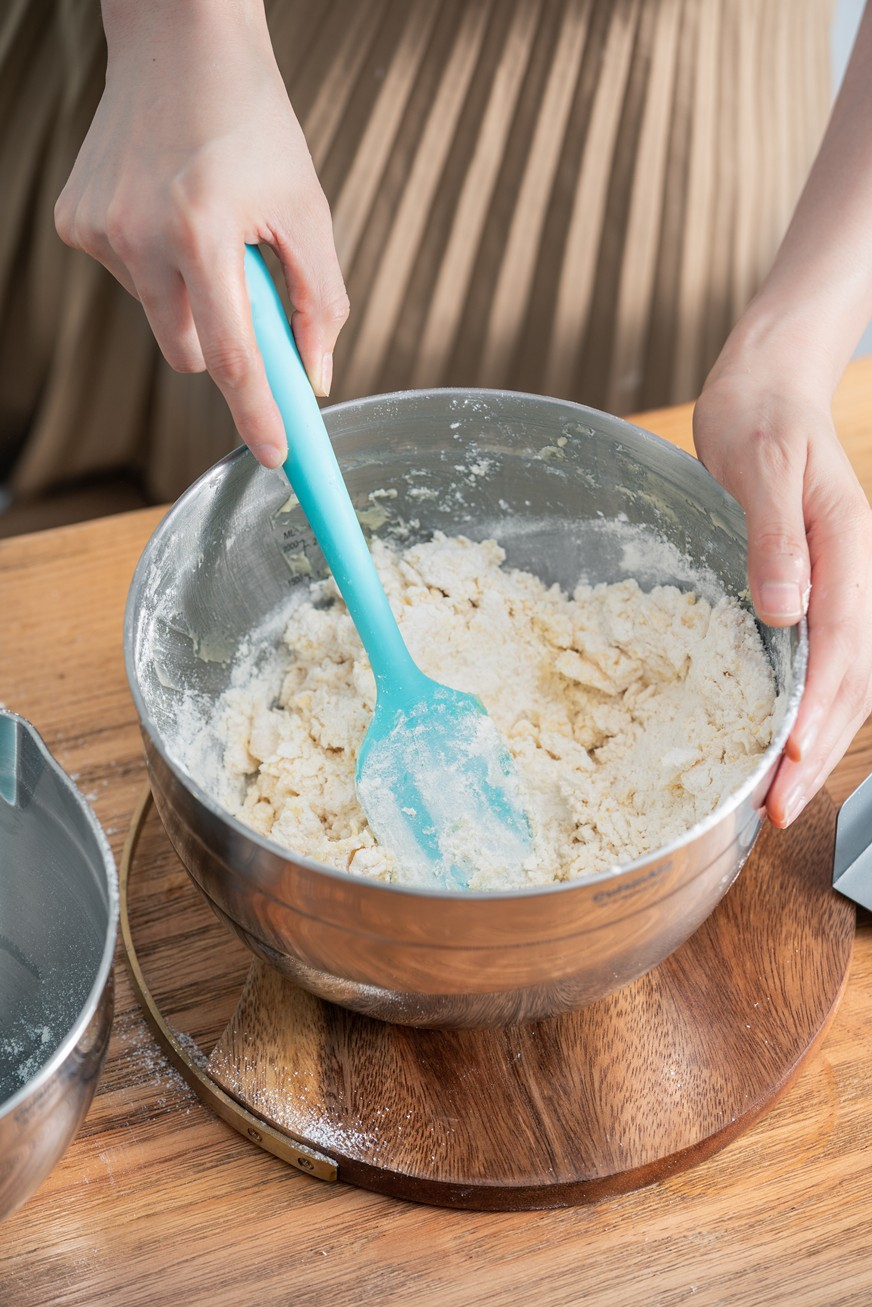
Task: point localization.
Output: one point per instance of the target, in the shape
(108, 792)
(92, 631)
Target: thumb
(779, 571)
(317, 293)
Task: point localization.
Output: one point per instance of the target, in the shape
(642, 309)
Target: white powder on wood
(630, 715)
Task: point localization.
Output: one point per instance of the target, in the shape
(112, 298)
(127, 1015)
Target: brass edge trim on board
(277, 1142)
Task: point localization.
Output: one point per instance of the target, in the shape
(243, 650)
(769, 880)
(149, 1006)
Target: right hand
(763, 428)
(194, 152)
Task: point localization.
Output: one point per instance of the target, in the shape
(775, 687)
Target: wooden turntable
(649, 1080)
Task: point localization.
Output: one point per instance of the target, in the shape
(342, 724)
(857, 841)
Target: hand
(195, 151)
(771, 442)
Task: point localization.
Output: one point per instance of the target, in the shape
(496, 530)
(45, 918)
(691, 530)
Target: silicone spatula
(434, 777)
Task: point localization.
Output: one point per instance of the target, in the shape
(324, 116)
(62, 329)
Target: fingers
(218, 320)
(167, 306)
(317, 290)
(779, 573)
(199, 311)
(798, 781)
(838, 694)
(75, 231)
(222, 314)
(148, 277)
(757, 456)
(809, 543)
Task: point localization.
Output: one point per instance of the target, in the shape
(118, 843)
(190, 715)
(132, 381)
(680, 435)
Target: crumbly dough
(630, 715)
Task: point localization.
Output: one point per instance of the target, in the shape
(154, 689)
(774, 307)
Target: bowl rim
(768, 759)
(86, 1013)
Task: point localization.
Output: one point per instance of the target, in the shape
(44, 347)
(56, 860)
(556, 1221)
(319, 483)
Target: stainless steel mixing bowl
(568, 492)
(58, 916)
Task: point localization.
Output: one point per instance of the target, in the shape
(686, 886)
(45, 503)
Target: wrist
(785, 344)
(137, 26)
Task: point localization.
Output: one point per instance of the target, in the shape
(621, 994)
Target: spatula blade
(440, 791)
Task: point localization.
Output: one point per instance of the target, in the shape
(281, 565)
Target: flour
(630, 715)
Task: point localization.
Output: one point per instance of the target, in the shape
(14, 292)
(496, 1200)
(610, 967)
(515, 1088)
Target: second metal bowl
(58, 920)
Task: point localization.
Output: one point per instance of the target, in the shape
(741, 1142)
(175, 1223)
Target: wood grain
(158, 1202)
(642, 1084)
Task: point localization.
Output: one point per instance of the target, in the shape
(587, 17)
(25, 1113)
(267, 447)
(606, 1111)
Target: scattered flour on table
(630, 715)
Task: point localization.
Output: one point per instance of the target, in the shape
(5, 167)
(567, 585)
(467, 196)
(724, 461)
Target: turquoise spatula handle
(317, 482)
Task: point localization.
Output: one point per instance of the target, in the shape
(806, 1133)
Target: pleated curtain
(573, 197)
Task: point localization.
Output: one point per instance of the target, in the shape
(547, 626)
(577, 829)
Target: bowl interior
(570, 493)
(58, 904)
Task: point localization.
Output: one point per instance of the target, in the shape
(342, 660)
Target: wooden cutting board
(648, 1081)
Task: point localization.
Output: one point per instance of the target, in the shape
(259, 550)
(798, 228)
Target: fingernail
(793, 805)
(782, 599)
(326, 374)
(804, 736)
(269, 455)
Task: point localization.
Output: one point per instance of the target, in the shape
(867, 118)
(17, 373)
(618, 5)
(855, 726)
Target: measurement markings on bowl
(633, 886)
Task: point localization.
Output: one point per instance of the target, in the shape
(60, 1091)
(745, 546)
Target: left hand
(773, 445)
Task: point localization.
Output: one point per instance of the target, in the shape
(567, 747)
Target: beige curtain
(575, 197)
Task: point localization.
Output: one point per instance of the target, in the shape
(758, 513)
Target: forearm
(817, 299)
(158, 48)
(133, 22)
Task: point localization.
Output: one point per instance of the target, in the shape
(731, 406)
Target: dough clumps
(630, 714)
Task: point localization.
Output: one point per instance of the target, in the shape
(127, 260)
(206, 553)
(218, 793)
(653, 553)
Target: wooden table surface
(159, 1202)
